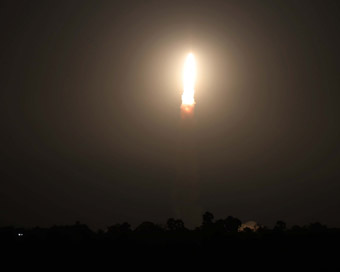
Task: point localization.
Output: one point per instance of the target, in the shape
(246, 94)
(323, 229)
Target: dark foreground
(313, 247)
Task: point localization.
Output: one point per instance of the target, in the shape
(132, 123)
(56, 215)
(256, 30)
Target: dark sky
(90, 110)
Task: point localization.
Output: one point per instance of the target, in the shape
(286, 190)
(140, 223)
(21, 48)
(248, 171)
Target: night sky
(90, 110)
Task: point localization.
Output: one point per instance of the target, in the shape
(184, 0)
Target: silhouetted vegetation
(222, 236)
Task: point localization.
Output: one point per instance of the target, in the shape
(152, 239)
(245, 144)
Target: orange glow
(187, 110)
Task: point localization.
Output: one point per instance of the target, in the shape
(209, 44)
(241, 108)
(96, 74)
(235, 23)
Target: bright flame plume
(189, 78)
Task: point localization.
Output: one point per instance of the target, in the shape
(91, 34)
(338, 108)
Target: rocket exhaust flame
(189, 78)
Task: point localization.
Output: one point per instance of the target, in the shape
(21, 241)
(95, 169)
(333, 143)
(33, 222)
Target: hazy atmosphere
(91, 122)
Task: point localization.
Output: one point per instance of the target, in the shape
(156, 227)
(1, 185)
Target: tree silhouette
(297, 228)
(232, 224)
(214, 236)
(148, 227)
(175, 224)
(208, 218)
(119, 228)
(317, 227)
(247, 230)
(280, 226)
(220, 226)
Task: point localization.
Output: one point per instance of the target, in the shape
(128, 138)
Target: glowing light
(189, 78)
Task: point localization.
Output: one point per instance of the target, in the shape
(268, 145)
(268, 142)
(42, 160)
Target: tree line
(174, 230)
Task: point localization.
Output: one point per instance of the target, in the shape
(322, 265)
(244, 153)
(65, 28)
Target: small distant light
(20, 234)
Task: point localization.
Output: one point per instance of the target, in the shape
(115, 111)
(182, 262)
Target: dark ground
(311, 247)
